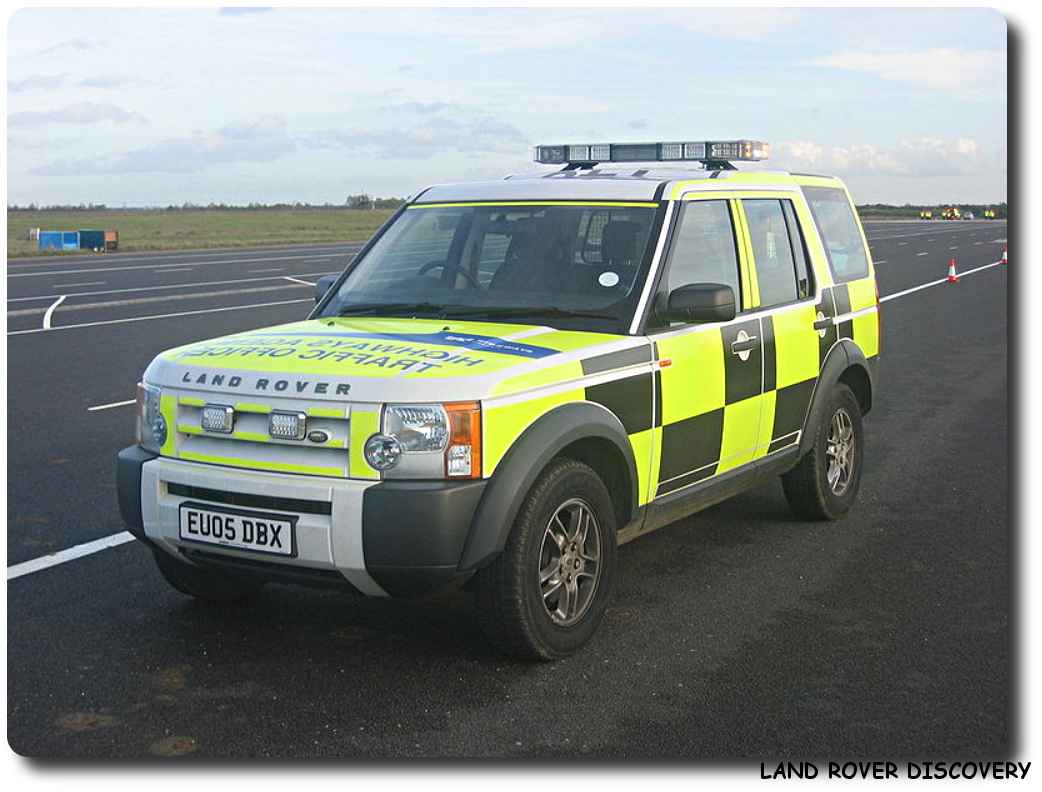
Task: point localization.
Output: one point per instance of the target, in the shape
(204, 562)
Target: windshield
(577, 266)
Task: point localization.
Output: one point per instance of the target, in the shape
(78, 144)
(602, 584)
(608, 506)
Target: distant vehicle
(951, 213)
(989, 214)
(968, 216)
(926, 214)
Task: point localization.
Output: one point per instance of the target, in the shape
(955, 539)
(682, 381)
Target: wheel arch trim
(525, 460)
(844, 356)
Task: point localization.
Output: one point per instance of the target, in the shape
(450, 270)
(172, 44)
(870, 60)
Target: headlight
(428, 441)
(151, 426)
(382, 451)
(419, 428)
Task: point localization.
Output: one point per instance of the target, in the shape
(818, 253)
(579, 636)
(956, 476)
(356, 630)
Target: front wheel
(824, 485)
(545, 595)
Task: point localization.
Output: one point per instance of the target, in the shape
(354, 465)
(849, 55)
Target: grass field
(200, 228)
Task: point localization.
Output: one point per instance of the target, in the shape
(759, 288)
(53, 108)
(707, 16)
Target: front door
(710, 378)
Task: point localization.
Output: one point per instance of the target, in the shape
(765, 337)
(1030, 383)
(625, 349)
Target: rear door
(785, 296)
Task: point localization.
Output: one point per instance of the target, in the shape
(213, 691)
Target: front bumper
(398, 538)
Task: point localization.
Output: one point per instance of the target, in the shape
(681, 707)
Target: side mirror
(323, 285)
(701, 302)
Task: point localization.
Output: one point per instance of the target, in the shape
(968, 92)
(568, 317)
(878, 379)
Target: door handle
(823, 324)
(744, 345)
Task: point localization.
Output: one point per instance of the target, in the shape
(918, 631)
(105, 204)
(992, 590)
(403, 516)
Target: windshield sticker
(608, 279)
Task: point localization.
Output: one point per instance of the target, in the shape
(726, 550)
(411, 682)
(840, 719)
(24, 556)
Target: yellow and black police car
(514, 377)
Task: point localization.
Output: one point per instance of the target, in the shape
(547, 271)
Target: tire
(204, 584)
(807, 487)
(510, 594)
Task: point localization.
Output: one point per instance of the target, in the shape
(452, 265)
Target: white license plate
(237, 528)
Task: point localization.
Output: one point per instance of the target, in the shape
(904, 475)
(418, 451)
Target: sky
(142, 107)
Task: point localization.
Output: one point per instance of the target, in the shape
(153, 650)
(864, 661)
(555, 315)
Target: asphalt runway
(739, 633)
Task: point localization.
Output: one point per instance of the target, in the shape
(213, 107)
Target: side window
(804, 287)
(704, 248)
(772, 251)
(839, 232)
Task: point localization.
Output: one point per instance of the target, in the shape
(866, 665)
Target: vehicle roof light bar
(713, 154)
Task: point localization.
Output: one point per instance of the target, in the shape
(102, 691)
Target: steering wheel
(455, 267)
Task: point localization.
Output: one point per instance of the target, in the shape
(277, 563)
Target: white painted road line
(162, 298)
(879, 261)
(937, 282)
(168, 286)
(78, 551)
(159, 266)
(924, 253)
(110, 406)
(336, 249)
(71, 554)
(74, 285)
(298, 280)
(50, 312)
(156, 316)
(179, 269)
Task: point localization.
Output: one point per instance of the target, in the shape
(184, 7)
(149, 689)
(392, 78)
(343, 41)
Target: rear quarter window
(840, 232)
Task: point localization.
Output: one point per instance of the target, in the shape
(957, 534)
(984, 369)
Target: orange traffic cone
(1003, 259)
(953, 276)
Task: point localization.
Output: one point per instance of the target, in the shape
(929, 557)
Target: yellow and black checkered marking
(844, 300)
(788, 377)
(629, 398)
(632, 400)
(720, 409)
(826, 308)
(710, 400)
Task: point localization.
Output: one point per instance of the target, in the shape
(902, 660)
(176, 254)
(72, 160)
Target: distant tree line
(364, 201)
(361, 201)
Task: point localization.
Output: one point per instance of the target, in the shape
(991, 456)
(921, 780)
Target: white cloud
(914, 158)
(37, 143)
(242, 10)
(79, 113)
(107, 81)
(416, 130)
(37, 82)
(74, 45)
(264, 140)
(948, 69)
(739, 24)
(41, 83)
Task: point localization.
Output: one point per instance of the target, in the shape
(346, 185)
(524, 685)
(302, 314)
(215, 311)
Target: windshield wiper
(545, 311)
(393, 308)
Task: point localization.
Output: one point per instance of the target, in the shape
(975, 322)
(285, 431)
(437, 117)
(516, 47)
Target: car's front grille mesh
(322, 451)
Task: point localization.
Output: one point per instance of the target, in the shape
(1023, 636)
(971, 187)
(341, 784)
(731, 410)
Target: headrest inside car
(619, 241)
